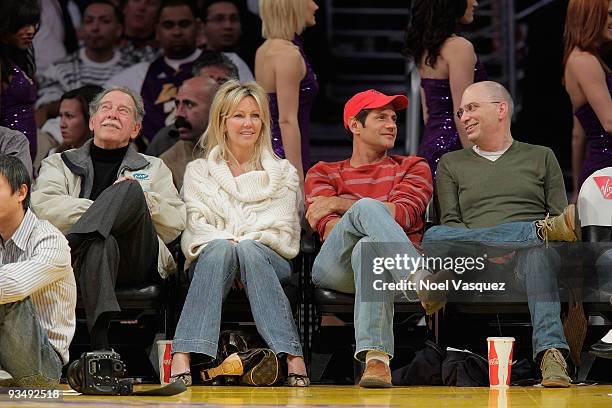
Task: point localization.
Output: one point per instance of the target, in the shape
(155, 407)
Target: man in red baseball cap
(372, 198)
(372, 99)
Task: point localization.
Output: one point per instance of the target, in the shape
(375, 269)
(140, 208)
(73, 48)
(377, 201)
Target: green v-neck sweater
(524, 184)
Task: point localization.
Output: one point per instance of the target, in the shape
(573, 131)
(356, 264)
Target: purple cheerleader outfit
(309, 87)
(598, 141)
(17, 109)
(440, 135)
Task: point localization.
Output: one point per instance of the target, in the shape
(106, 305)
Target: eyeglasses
(471, 107)
(222, 18)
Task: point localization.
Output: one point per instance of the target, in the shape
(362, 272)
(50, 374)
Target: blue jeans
(261, 270)
(537, 266)
(515, 235)
(25, 350)
(338, 267)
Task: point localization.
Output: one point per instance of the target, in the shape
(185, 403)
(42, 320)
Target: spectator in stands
(157, 82)
(14, 143)
(37, 287)
(502, 191)
(118, 208)
(371, 197)
(18, 22)
(211, 64)
(283, 70)
(192, 107)
(74, 123)
(215, 65)
(243, 225)
(588, 81)
(250, 26)
(138, 41)
(447, 65)
(93, 64)
(222, 27)
(56, 35)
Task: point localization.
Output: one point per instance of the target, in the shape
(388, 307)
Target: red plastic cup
(500, 361)
(164, 357)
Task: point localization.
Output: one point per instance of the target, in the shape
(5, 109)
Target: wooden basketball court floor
(592, 396)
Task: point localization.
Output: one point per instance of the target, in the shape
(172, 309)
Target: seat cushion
(148, 292)
(324, 296)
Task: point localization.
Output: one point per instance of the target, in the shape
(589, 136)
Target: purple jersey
(158, 92)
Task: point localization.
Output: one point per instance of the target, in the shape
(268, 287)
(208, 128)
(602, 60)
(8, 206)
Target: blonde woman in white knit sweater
(242, 225)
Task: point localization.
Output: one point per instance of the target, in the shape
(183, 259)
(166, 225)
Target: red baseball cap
(372, 99)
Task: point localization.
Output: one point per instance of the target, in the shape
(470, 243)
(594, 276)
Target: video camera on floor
(99, 373)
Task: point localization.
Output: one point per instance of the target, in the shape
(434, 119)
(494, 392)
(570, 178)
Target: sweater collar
(254, 185)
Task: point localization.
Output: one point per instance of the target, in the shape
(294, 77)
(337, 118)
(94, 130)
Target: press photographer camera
(99, 373)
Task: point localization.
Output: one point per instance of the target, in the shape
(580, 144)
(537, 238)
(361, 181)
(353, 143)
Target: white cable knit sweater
(258, 205)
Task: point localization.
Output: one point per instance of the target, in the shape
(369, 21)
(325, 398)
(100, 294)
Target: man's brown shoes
(376, 375)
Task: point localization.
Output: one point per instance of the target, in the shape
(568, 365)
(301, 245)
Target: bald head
(486, 113)
(494, 92)
(193, 105)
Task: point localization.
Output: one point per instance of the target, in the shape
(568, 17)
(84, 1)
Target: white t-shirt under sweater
(258, 205)
(490, 155)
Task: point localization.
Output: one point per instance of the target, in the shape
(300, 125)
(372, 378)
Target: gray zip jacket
(66, 180)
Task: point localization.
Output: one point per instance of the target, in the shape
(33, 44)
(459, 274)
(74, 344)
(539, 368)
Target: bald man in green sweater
(504, 192)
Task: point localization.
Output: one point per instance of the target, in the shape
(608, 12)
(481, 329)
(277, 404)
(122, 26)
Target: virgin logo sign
(605, 186)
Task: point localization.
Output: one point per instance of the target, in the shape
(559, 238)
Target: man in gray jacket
(118, 208)
(14, 143)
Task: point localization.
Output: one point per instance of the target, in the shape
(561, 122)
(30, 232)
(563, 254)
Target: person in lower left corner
(37, 288)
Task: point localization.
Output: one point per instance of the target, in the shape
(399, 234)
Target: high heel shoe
(186, 377)
(298, 380)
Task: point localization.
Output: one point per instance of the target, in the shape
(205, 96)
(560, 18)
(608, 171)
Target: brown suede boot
(376, 375)
(554, 369)
(563, 227)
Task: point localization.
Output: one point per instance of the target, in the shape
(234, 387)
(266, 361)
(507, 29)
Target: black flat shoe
(186, 377)
(601, 349)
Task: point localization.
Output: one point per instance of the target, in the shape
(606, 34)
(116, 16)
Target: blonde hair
(282, 18)
(223, 106)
